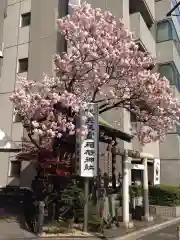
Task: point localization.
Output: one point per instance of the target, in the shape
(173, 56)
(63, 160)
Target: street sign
(87, 146)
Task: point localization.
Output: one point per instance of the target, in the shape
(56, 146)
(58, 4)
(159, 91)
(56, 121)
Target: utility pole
(173, 9)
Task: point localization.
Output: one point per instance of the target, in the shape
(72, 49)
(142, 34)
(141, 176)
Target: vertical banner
(156, 166)
(87, 146)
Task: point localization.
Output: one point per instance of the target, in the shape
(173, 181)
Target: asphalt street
(163, 234)
(51, 238)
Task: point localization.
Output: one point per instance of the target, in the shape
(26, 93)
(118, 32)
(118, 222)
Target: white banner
(157, 168)
(88, 145)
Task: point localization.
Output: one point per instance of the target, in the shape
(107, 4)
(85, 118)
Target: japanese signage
(156, 171)
(88, 145)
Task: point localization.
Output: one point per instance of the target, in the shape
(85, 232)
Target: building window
(1, 65)
(178, 130)
(25, 19)
(133, 117)
(15, 169)
(167, 70)
(23, 65)
(5, 8)
(164, 31)
(177, 10)
(17, 117)
(170, 71)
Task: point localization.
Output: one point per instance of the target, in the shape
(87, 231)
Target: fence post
(86, 207)
(40, 217)
(125, 189)
(145, 190)
(178, 233)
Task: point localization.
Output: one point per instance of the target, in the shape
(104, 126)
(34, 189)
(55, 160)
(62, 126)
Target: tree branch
(94, 95)
(33, 141)
(113, 106)
(110, 107)
(102, 100)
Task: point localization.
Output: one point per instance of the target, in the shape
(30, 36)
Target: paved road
(51, 238)
(163, 234)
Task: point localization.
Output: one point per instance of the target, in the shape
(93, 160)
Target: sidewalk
(140, 229)
(11, 229)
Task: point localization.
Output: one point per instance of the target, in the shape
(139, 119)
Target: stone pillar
(146, 192)
(125, 170)
(114, 178)
(112, 204)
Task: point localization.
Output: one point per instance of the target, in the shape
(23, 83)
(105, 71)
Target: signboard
(87, 146)
(137, 166)
(156, 166)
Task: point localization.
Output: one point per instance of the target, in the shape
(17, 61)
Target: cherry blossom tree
(102, 65)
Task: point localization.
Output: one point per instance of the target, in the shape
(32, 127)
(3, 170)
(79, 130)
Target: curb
(65, 237)
(90, 237)
(146, 231)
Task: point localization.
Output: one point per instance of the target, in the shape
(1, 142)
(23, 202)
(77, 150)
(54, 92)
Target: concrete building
(29, 38)
(168, 59)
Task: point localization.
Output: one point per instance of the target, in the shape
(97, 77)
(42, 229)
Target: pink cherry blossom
(103, 65)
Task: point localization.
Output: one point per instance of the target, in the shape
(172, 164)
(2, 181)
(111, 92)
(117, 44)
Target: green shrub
(164, 195)
(135, 191)
(55, 227)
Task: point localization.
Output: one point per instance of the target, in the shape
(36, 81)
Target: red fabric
(62, 172)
